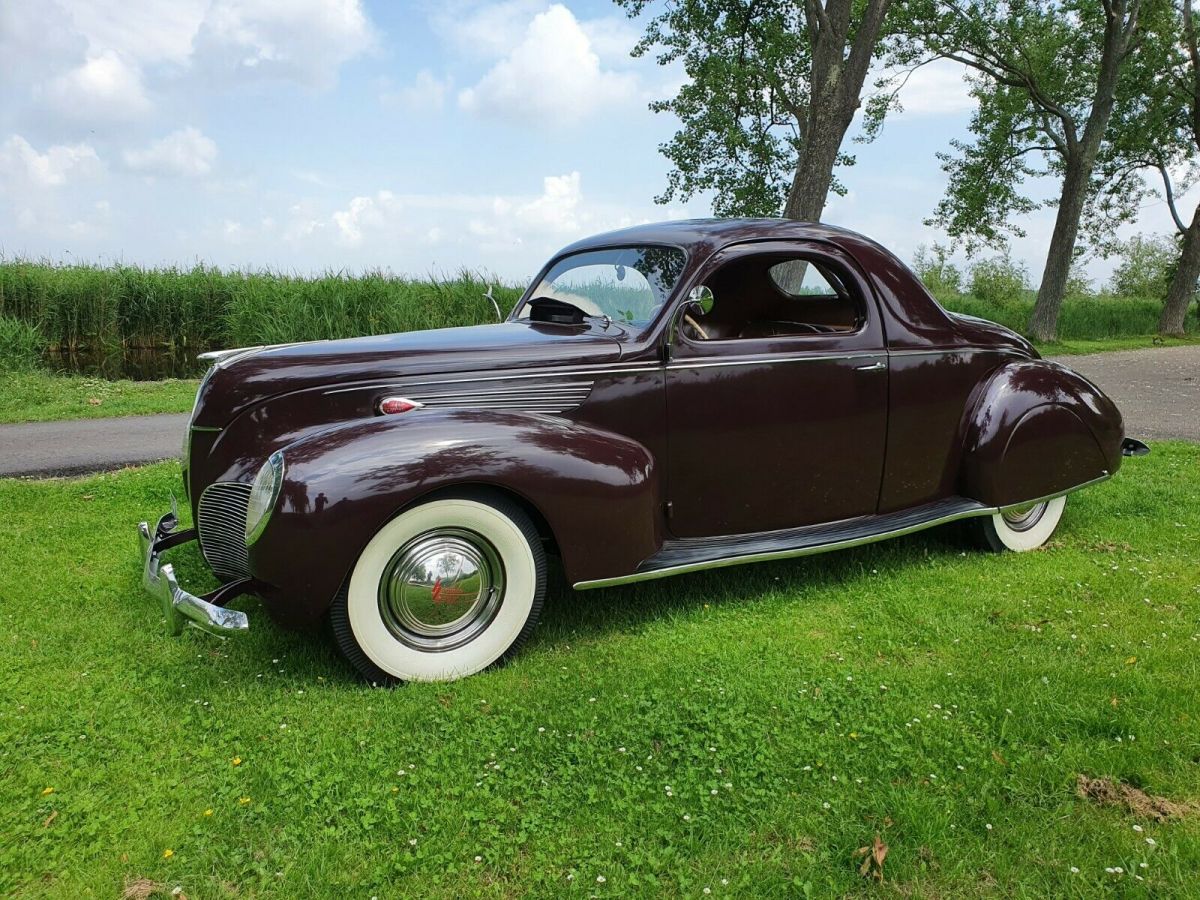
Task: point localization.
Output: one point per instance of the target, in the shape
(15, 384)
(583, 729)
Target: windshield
(627, 284)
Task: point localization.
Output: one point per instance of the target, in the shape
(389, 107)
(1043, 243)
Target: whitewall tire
(442, 591)
(1022, 528)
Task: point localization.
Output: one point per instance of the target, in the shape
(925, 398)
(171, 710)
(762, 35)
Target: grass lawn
(1139, 342)
(42, 397)
(741, 731)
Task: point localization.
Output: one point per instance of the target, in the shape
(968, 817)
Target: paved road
(88, 445)
(1158, 391)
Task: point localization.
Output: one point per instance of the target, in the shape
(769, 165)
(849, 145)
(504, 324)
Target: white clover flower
(600, 879)
(1074, 870)
(988, 826)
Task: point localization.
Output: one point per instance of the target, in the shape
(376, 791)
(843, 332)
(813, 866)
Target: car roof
(715, 233)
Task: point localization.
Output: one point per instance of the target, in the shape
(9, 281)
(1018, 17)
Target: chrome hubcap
(1024, 517)
(441, 589)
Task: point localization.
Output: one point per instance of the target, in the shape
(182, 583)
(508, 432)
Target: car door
(775, 422)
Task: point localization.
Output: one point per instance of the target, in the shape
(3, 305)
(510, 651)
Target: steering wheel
(695, 326)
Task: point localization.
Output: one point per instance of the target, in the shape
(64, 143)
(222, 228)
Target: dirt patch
(1112, 793)
(142, 889)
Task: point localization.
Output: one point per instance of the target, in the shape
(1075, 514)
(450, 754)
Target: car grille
(221, 523)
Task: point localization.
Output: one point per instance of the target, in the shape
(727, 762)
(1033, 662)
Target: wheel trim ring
(414, 621)
(1024, 517)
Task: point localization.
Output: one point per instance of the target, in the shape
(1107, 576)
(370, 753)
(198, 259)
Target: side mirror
(702, 296)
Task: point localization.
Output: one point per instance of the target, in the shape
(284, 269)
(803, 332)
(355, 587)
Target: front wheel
(442, 591)
(1021, 528)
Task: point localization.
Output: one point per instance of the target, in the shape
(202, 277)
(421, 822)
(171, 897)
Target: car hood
(244, 379)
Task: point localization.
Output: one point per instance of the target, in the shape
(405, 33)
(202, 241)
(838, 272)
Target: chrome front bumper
(180, 607)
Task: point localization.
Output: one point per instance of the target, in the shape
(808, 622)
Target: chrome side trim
(819, 548)
(940, 351)
(774, 360)
(401, 382)
(1107, 475)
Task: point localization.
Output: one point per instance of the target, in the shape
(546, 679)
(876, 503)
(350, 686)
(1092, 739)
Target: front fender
(1036, 429)
(597, 491)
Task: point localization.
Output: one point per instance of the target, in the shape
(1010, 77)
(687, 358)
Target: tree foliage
(1045, 74)
(772, 86)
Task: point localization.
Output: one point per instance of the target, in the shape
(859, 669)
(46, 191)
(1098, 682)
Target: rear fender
(597, 491)
(1037, 429)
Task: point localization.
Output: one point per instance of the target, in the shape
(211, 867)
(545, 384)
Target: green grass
(1078, 347)
(752, 726)
(41, 397)
(1080, 319)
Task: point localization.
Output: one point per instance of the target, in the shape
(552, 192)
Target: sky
(306, 135)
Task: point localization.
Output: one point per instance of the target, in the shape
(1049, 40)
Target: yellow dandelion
(243, 800)
(237, 760)
(168, 853)
(208, 812)
(46, 792)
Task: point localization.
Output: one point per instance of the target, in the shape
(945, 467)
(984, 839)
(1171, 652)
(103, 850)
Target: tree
(1146, 267)
(1046, 74)
(773, 87)
(1157, 131)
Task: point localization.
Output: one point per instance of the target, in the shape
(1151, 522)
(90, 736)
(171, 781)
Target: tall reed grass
(1081, 318)
(120, 307)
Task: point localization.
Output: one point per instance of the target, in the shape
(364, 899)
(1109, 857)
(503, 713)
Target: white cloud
(557, 210)
(427, 93)
(146, 31)
(484, 30)
(551, 77)
(370, 213)
(185, 152)
(106, 87)
(22, 166)
(305, 41)
(553, 216)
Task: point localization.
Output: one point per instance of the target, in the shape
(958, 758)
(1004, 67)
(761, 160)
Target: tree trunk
(814, 171)
(1080, 160)
(1183, 283)
(836, 81)
(1043, 324)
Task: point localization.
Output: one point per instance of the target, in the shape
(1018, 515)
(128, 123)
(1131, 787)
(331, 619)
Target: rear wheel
(1020, 528)
(442, 591)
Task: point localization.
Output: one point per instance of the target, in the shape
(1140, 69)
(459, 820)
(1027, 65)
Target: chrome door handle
(873, 367)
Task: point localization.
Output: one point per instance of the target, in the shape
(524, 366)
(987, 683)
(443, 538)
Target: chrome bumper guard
(208, 612)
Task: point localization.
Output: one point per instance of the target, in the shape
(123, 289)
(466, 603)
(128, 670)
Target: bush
(20, 346)
(940, 276)
(1146, 267)
(1000, 281)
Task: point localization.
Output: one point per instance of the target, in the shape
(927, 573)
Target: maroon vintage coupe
(662, 399)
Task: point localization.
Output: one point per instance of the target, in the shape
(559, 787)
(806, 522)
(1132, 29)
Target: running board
(695, 554)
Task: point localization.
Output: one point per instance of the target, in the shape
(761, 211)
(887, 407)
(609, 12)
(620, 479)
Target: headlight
(263, 495)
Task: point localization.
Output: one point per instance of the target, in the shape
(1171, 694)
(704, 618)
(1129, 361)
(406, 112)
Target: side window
(801, 278)
(777, 296)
